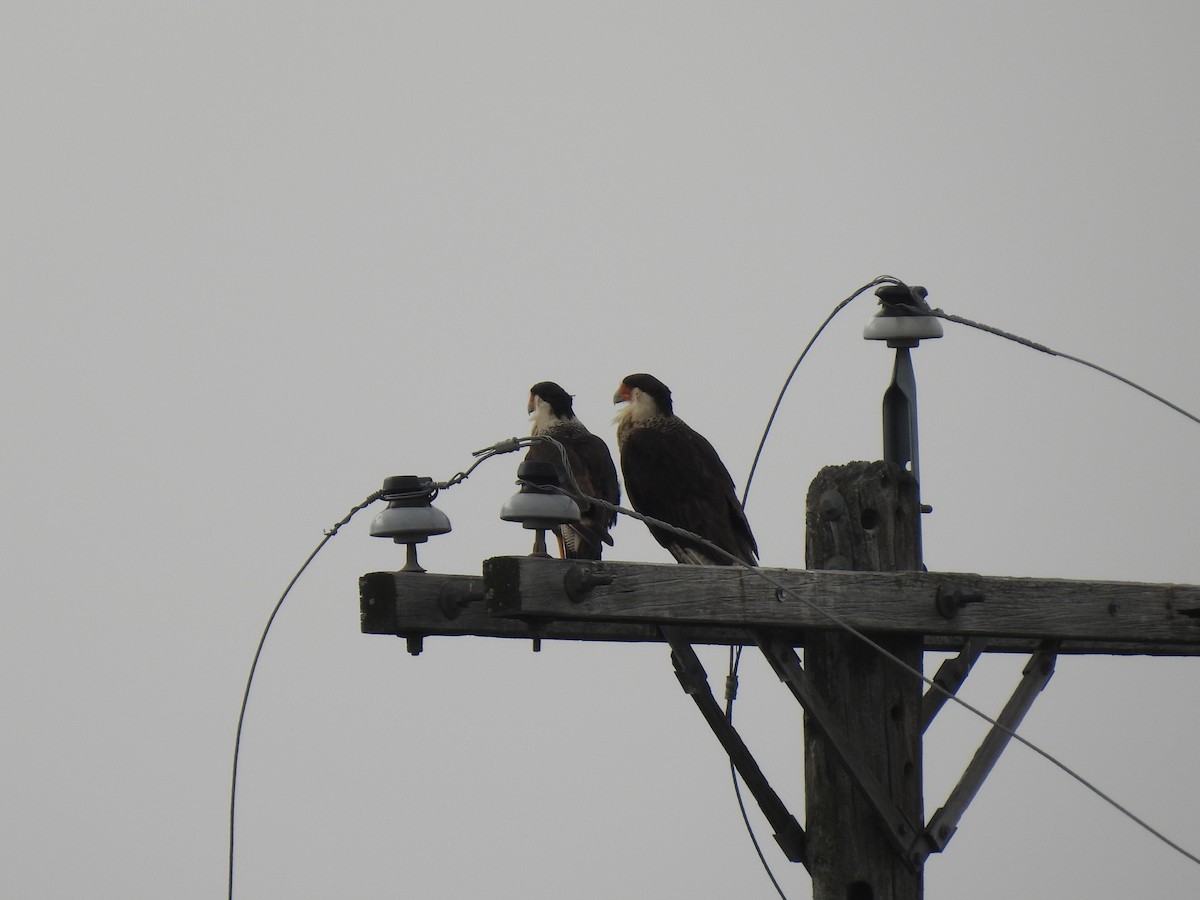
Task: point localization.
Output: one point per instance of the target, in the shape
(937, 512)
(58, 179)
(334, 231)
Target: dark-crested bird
(550, 409)
(673, 473)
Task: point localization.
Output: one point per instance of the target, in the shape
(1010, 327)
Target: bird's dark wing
(596, 476)
(674, 474)
(601, 475)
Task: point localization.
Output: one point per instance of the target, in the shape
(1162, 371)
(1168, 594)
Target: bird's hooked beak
(532, 404)
(623, 394)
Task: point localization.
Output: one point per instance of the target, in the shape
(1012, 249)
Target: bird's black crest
(559, 400)
(655, 388)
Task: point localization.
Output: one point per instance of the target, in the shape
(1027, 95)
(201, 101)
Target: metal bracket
(1037, 673)
(906, 836)
(900, 414)
(789, 834)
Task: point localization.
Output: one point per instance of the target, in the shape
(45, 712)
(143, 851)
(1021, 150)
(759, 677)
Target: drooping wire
(1044, 349)
(513, 444)
(237, 741)
(735, 654)
(782, 594)
(506, 446)
(887, 654)
(881, 280)
(573, 491)
(735, 659)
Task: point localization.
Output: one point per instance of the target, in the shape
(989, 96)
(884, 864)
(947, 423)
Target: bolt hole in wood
(870, 519)
(859, 890)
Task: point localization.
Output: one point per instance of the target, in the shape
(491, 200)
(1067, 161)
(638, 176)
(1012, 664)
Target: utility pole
(782, 610)
(864, 517)
(866, 843)
(863, 612)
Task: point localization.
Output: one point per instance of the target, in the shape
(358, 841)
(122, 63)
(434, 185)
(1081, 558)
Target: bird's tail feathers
(582, 542)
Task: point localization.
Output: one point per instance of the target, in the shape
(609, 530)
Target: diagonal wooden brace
(944, 822)
(789, 834)
(950, 677)
(905, 836)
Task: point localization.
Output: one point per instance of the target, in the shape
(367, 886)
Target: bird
(672, 473)
(552, 414)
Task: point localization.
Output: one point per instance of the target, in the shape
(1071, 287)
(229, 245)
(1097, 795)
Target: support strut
(950, 677)
(945, 821)
(905, 836)
(789, 834)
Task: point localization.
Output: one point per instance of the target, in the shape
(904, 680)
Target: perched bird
(673, 473)
(550, 410)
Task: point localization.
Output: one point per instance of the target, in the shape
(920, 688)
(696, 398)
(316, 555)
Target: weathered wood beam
(415, 606)
(1101, 616)
(411, 605)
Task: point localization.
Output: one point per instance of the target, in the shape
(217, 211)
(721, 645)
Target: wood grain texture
(717, 605)
(1140, 617)
(864, 801)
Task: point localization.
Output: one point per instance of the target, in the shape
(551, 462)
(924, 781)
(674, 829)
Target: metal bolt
(831, 505)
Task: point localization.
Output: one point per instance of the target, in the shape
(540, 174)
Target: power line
(237, 741)
(513, 444)
(1042, 348)
(735, 656)
(735, 660)
(782, 593)
(849, 629)
(881, 280)
(949, 317)
(500, 447)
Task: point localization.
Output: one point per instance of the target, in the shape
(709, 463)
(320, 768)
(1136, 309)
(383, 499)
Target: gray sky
(258, 256)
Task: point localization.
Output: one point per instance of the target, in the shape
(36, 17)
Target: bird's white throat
(638, 408)
(542, 418)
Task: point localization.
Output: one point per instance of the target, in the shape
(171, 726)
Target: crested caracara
(673, 473)
(591, 465)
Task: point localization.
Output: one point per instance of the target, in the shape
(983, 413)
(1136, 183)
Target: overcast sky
(258, 256)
